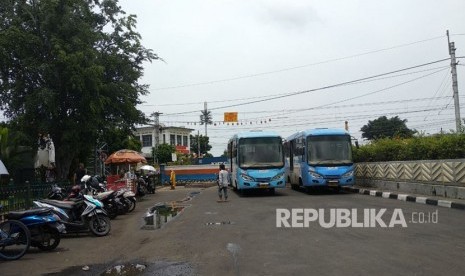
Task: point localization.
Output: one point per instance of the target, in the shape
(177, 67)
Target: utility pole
(205, 114)
(198, 143)
(156, 120)
(455, 87)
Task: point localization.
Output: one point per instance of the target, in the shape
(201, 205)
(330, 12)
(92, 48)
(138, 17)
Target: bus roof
(254, 134)
(317, 132)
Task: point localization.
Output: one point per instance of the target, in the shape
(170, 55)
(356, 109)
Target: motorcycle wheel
(112, 211)
(48, 239)
(100, 225)
(132, 205)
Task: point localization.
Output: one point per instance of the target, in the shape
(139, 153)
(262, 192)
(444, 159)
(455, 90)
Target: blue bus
(256, 161)
(319, 157)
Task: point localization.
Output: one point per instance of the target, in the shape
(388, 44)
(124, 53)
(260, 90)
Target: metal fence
(19, 196)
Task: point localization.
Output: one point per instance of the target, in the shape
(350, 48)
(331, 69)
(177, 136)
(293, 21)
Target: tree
(386, 128)
(204, 144)
(70, 68)
(14, 156)
(163, 152)
(206, 119)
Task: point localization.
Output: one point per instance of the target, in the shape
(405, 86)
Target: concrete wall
(427, 177)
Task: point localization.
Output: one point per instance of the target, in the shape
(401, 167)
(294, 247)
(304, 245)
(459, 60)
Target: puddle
(158, 268)
(131, 269)
(161, 214)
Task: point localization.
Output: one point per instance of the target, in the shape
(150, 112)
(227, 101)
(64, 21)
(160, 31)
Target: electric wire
(316, 89)
(296, 67)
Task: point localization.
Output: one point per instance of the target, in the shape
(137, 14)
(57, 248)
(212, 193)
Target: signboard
(230, 117)
(182, 149)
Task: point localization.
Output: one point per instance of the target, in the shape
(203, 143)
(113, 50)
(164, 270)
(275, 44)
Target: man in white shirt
(223, 183)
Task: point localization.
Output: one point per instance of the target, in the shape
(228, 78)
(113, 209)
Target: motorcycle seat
(103, 195)
(60, 203)
(26, 213)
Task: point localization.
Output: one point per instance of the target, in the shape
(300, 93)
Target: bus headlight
(246, 177)
(314, 175)
(278, 176)
(348, 174)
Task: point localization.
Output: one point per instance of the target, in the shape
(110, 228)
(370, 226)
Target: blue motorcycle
(44, 226)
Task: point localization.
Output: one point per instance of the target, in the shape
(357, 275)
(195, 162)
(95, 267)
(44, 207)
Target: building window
(164, 139)
(179, 142)
(184, 141)
(137, 137)
(147, 141)
(172, 139)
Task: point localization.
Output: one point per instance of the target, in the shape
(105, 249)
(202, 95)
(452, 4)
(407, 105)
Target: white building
(176, 136)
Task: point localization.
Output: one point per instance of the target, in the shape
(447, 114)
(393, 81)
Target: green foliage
(182, 159)
(70, 68)
(118, 139)
(13, 155)
(204, 144)
(206, 117)
(386, 128)
(444, 146)
(163, 153)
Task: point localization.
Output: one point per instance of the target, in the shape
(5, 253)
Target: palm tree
(206, 118)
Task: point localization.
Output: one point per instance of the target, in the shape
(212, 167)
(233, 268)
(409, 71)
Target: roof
(255, 134)
(319, 131)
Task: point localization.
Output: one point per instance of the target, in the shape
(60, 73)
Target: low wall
(190, 174)
(444, 178)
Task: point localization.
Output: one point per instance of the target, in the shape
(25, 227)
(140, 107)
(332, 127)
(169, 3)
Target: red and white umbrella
(125, 156)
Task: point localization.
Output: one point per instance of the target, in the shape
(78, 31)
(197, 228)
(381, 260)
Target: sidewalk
(416, 198)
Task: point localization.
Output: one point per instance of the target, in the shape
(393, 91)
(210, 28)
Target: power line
(316, 89)
(296, 67)
(259, 97)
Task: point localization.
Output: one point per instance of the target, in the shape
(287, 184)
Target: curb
(409, 198)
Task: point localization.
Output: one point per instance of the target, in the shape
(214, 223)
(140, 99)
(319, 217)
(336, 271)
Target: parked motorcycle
(127, 198)
(110, 203)
(81, 215)
(45, 226)
(93, 184)
(150, 185)
(57, 193)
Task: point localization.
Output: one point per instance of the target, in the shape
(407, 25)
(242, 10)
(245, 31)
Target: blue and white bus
(256, 161)
(319, 157)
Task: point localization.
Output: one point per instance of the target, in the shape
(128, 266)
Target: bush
(445, 146)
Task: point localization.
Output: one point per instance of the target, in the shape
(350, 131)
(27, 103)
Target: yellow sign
(230, 117)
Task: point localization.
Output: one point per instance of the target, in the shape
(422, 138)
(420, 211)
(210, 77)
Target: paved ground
(240, 237)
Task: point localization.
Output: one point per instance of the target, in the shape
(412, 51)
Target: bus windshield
(329, 150)
(260, 152)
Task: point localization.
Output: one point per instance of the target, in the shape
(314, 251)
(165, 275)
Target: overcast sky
(227, 53)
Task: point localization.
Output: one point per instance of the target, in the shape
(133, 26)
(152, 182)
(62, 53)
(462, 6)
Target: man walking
(223, 183)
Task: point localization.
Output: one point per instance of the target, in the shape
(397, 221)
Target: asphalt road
(241, 237)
